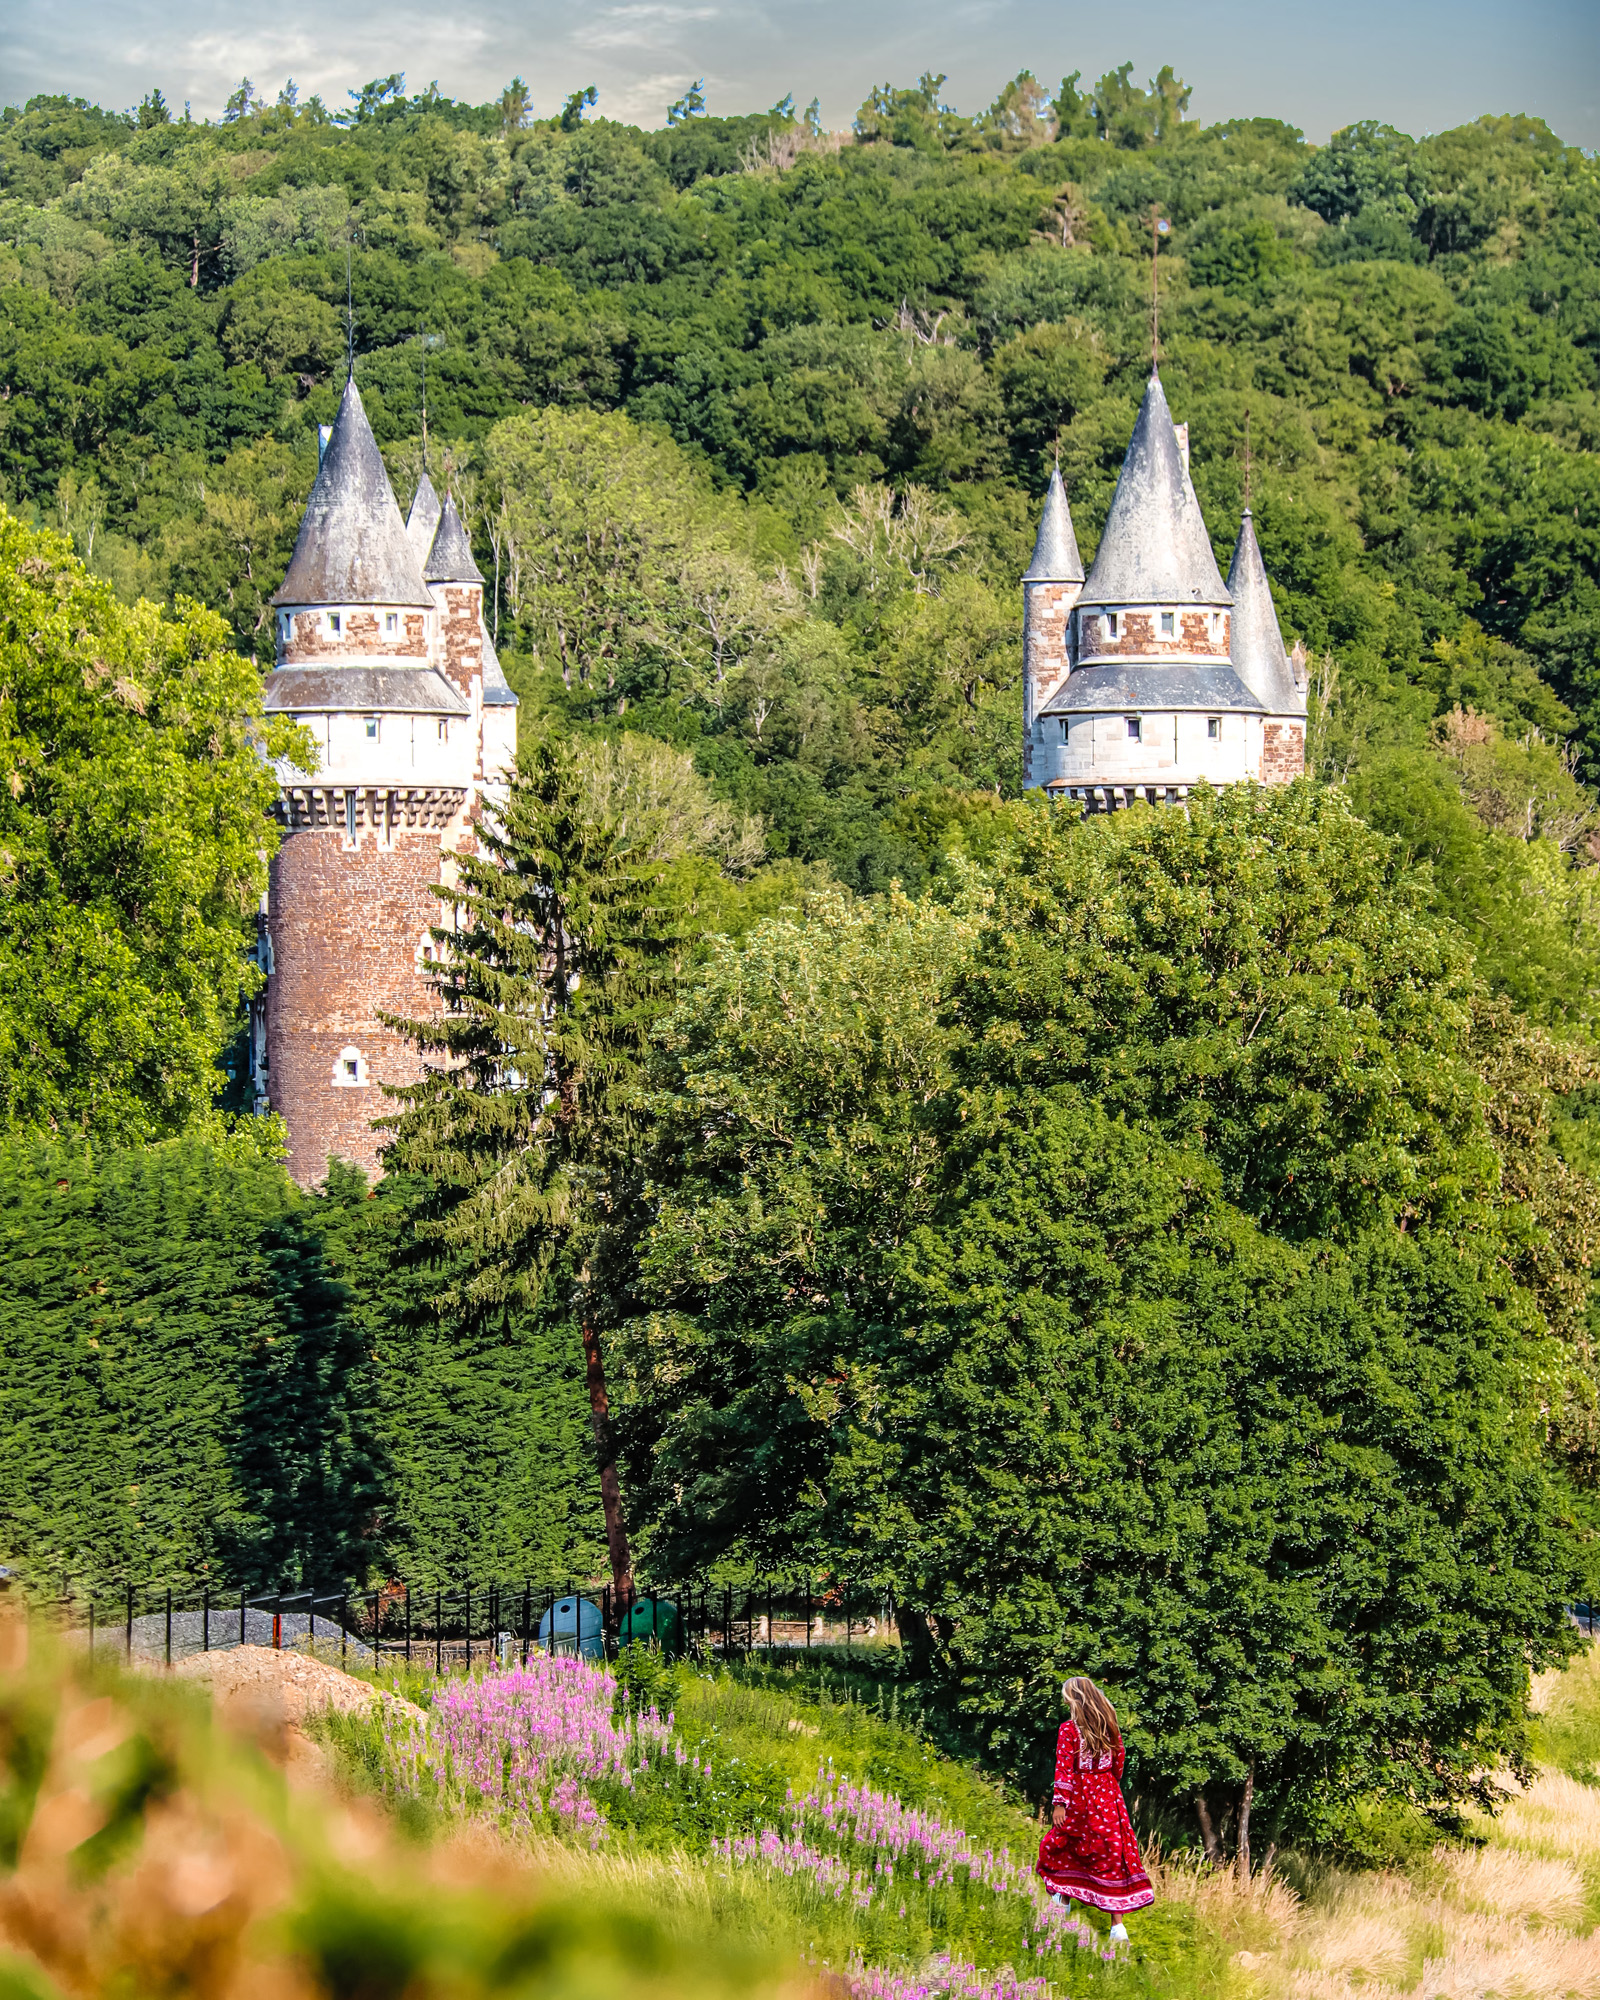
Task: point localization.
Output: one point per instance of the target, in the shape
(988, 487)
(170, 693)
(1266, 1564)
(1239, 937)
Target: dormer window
(1168, 624)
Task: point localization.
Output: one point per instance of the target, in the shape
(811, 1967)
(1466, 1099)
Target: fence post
(91, 1628)
(344, 1623)
(277, 1622)
(205, 1620)
(438, 1631)
(241, 1617)
(408, 1624)
(467, 1621)
(527, 1614)
(847, 1618)
(169, 1624)
(130, 1622)
(311, 1621)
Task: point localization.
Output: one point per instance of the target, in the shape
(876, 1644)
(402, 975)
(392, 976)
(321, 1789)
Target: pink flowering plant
(585, 1753)
(534, 1745)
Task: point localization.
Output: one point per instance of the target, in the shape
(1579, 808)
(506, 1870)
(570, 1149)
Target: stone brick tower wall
(1047, 619)
(348, 933)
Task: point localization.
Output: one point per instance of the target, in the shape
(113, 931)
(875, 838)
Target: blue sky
(1420, 64)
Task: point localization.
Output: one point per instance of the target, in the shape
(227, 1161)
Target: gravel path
(189, 1635)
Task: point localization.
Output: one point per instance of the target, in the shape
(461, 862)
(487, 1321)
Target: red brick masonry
(345, 928)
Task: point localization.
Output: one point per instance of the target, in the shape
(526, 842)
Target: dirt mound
(266, 1693)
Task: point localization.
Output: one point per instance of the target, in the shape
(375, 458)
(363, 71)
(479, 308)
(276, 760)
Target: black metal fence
(452, 1628)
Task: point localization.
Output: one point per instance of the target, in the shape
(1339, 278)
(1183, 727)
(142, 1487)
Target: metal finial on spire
(424, 395)
(1247, 458)
(1159, 227)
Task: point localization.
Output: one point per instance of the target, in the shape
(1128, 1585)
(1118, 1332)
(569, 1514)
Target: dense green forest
(794, 395)
(1160, 1245)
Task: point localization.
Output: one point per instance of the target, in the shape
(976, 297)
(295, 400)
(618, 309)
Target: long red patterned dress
(1093, 1857)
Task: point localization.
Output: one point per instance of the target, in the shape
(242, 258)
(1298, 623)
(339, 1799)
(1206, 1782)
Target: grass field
(144, 1851)
(1511, 1911)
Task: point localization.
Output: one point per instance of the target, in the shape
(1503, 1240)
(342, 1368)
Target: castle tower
(379, 665)
(1151, 703)
(1050, 589)
(1261, 662)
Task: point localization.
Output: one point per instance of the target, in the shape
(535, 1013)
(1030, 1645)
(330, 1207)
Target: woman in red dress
(1090, 1851)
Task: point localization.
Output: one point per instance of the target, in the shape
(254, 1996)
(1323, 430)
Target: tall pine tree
(563, 950)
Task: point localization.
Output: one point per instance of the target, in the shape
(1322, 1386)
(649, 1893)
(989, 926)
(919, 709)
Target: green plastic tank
(652, 1618)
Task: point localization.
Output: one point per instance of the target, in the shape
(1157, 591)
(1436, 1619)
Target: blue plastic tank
(577, 1627)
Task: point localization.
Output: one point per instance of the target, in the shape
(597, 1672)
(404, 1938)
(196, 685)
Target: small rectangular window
(1167, 624)
(444, 732)
(372, 729)
(1111, 624)
(391, 622)
(333, 621)
(351, 1067)
(350, 815)
(1213, 727)
(1133, 728)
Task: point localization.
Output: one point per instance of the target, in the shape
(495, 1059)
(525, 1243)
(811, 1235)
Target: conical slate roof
(1155, 549)
(423, 518)
(1257, 647)
(352, 547)
(1055, 553)
(450, 558)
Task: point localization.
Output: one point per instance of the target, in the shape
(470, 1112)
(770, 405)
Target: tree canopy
(133, 844)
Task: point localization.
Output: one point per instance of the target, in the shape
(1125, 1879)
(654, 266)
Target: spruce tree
(561, 950)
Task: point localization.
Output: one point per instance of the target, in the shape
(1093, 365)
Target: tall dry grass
(1511, 1919)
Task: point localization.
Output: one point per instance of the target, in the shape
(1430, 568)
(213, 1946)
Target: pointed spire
(450, 558)
(352, 547)
(1257, 647)
(423, 518)
(1155, 549)
(1055, 553)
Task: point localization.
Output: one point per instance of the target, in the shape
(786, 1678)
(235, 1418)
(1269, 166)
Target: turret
(1155, 592)
(1152, 705)
(1262, 664)
(1050, 588)
(455, 584)
(423, 518)
(354, 591)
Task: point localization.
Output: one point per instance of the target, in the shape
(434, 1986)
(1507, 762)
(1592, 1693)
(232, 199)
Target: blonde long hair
(1094, 1715)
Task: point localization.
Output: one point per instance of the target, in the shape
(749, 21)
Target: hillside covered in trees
(750, 423)
(751, 420)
